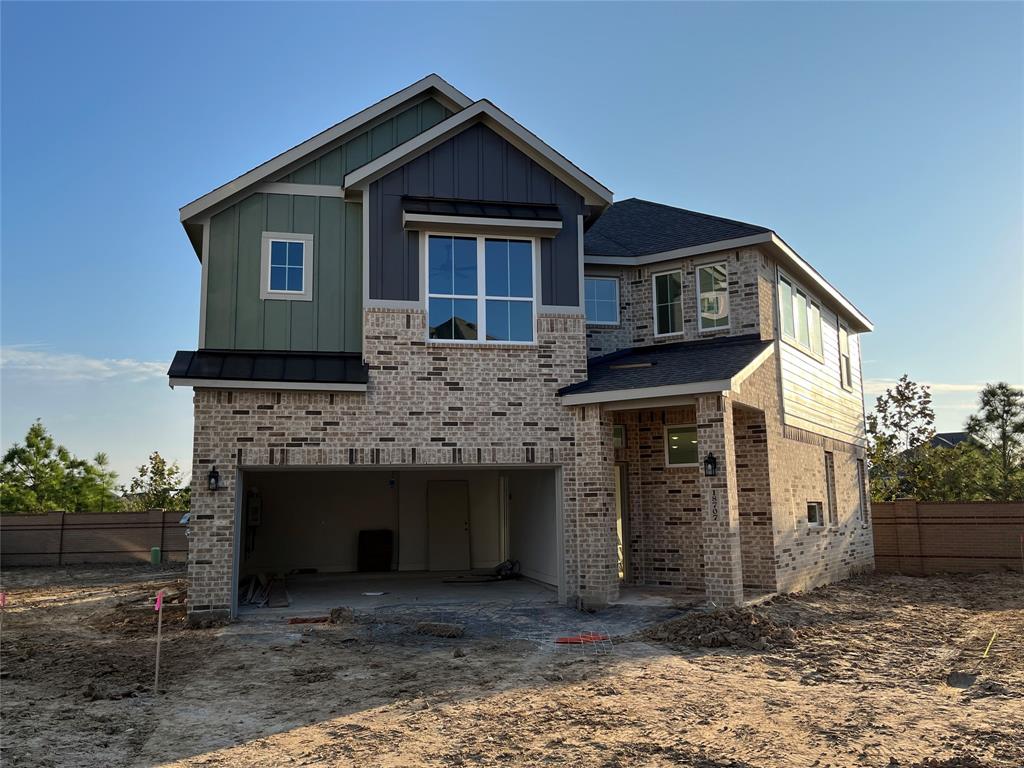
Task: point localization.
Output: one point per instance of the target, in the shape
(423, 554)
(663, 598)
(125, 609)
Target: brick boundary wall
(917, 538)
(61, 538)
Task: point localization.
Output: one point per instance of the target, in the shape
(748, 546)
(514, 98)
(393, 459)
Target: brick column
(590, 536)
(723, 564)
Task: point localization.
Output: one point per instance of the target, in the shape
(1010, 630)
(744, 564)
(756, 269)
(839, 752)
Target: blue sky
(883, 141)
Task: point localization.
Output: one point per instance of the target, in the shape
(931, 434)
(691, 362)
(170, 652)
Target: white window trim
(654, 304)
(306, 294)
(679, 426)
(696, 280)
(618, 299)
(794, 340)
(821, 515)
(844, 374)
(481, 287)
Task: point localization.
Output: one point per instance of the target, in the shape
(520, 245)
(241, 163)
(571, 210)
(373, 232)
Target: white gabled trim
(646, 393)
(481, 224)
(641, 397)
(450, 96)
(287, 188)
(681, 253)
(242, 384)
(791, 260)
(593, 192)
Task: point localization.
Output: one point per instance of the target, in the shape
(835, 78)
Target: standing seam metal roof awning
(318, 370)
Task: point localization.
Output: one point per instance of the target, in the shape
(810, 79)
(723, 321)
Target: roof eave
(431, 84)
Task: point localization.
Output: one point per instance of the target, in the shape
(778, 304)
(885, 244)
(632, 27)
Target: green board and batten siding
(236, 317)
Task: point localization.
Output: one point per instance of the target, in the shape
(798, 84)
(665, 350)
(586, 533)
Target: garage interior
(312, 540)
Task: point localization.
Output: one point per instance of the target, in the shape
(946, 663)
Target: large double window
(800, 316)
(480, 289)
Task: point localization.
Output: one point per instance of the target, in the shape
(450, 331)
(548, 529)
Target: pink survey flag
(3, 599)
(159, 601)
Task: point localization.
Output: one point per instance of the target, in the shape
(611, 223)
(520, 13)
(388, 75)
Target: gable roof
(637, 227)
(483, 111)
(659, 370)
(635, 232)
(433, 85)
(949, 439)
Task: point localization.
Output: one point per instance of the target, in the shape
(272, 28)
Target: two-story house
(429, 342)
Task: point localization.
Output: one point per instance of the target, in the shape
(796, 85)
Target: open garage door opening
(312, 540)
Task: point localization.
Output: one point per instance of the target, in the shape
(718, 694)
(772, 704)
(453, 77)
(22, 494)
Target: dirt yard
(858, 674)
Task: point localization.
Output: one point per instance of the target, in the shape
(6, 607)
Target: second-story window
(845, 367)
(287, 266)
(668, 303)
(712, 296)
(480, 289)
(800, 316)
(601, 300)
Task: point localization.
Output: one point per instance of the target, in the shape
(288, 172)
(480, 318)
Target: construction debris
(732, 628)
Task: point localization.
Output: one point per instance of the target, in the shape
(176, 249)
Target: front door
(448, 525)
(622, 519)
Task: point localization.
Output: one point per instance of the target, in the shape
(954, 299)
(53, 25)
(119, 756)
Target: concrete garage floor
(517, 609)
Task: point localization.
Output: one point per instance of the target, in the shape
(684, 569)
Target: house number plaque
(714, 504)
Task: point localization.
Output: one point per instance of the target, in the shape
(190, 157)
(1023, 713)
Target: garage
(311, 539)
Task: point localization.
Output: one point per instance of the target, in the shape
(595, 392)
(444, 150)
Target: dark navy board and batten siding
(477, 164)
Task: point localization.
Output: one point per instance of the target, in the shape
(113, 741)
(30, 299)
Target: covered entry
(342, 532)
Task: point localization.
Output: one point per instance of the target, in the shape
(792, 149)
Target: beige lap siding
(426, 404)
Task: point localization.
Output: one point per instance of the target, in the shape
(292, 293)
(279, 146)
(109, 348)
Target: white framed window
(815, 514)
(480, 289)
(286, 266)
(601, 300)
(830, 487)
(668, 303)
(713, 296)
(862, 493)
(799, 316)
(681, 445)
(845, 365)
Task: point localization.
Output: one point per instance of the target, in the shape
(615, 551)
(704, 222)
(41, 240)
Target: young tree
(902, 422)
(999, 428)
(157, 485)
(42, 476)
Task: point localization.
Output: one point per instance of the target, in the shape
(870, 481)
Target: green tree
(903, 421)
(40, 475)
(157, 485)
(961, 473)
(998, 428)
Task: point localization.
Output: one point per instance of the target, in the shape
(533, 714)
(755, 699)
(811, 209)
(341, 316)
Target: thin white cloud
(36, 363)
(878, 386)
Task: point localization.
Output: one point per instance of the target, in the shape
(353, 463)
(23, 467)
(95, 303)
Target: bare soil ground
(856, 674)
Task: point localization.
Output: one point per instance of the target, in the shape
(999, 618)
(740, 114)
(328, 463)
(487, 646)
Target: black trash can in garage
(375, 550)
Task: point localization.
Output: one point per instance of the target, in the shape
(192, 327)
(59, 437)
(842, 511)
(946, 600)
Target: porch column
(723, 564)
(590, 536)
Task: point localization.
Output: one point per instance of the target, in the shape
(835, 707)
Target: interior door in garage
(448, 525)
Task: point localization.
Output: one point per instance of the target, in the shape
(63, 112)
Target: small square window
(681, 446)
(287, 266)
(601, 300)
(815, 514)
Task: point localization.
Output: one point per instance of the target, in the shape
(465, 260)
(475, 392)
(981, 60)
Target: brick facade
(456, 405)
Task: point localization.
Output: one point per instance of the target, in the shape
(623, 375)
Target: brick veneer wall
(753, 482)
(426, 405)
(751, 301)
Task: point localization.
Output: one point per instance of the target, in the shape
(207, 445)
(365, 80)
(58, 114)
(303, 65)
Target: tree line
(40, 475)
(987, 466)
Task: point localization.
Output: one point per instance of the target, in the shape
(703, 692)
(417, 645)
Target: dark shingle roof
(637, 227)
(295, 367)
(660, 365)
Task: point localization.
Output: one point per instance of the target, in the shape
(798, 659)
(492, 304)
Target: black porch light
(213, 479)
(710, 465)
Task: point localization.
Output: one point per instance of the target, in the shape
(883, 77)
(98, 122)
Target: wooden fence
(922, 537)
(60, 538)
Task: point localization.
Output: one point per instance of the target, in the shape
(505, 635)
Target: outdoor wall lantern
(214, 479)
(710, 466)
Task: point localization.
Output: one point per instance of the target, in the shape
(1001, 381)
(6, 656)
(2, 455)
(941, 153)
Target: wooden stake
(159, 608)
(989, 646)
